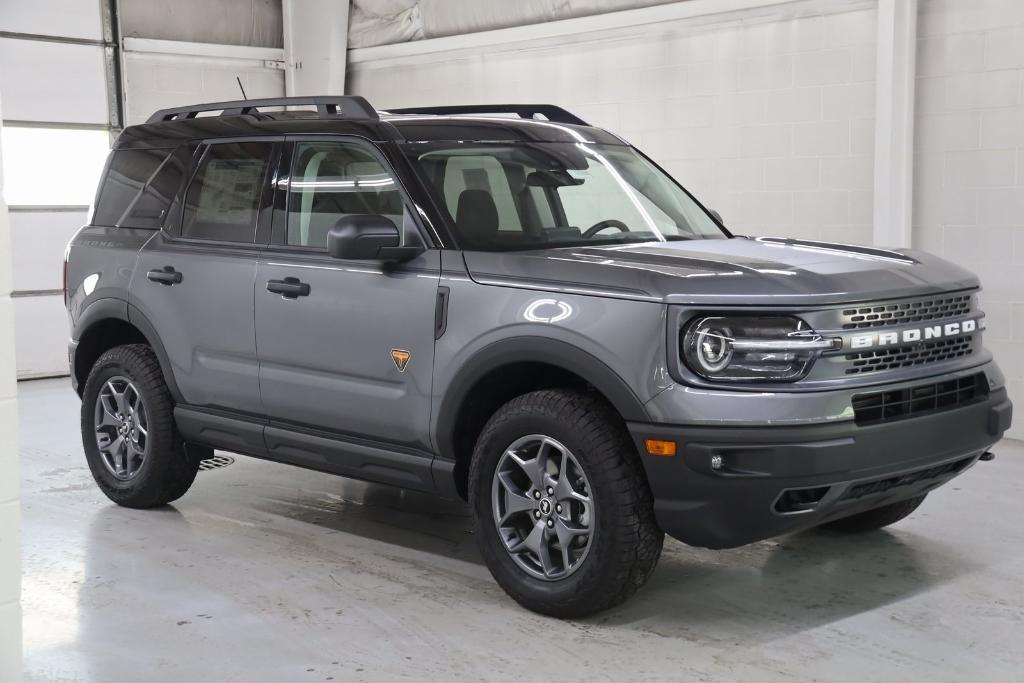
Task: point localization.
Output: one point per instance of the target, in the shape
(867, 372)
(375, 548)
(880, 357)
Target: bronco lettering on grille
(913, 335)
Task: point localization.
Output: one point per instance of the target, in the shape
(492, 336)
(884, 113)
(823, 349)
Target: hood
(761, 272)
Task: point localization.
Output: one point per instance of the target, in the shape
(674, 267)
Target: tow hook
(987, 456)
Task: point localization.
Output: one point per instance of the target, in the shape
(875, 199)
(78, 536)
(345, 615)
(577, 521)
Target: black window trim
(282, 186)
(261, 231)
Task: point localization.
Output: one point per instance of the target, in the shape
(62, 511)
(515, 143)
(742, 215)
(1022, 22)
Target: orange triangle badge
(401, 358)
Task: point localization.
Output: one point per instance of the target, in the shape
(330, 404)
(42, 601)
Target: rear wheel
(564, 516)
(877, 518)
(134, 451)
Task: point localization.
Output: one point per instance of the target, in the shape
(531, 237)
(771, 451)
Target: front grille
(871, 488)
(883, 315)
(906, 356)
(899, 404)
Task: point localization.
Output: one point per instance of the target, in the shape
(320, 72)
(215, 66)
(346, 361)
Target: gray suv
(505, 304)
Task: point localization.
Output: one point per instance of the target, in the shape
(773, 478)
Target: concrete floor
(264, 572)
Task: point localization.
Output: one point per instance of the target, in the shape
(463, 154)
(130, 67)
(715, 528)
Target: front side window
(223, 200)
(330, 180)
(502, 196)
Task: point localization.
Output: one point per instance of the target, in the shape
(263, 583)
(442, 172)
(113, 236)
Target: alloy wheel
(122, 427)
(543, 507)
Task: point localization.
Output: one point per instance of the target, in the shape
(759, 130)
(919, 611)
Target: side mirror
(367, 237)
(718, 216)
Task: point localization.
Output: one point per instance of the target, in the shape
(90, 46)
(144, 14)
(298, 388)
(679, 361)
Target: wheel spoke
(106, 416)
(119, 401)
(516, 501)
(544, 553)
(567, 531)
(564, 490)
(532, 541)
(530, 468)
(121, 456)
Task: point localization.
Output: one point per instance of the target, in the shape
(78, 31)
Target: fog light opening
(800, 500)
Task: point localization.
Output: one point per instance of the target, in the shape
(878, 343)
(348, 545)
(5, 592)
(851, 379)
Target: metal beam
(182, 48)
(632, 23)
(894, 122)
(315, 46)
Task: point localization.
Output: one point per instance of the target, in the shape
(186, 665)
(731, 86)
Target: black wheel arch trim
(532, 349)
(119, 309)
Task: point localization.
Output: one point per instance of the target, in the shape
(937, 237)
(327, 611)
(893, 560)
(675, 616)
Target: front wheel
(871, 520)
(134, 451)
(564, 515)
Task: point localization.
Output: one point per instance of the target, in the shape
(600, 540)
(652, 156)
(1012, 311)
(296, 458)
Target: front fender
(531, 349)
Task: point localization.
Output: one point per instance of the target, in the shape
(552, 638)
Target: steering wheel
(608, 223)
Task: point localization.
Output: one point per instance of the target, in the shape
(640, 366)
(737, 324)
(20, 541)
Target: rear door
(351, 351)
(194, 279)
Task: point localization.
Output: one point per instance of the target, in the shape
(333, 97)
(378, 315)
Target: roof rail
(328, 107)
(526, 111)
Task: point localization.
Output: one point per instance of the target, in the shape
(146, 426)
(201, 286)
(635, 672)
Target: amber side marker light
(663, 448)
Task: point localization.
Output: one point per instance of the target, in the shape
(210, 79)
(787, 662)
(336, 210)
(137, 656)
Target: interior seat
(477, 218)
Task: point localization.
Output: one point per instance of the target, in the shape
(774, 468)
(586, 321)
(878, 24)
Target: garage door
(56, 136)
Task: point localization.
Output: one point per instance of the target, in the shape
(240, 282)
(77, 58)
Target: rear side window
(128, 174)
(223, 199)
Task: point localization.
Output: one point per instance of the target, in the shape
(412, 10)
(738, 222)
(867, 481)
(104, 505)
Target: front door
(345, 347)
(194, 279)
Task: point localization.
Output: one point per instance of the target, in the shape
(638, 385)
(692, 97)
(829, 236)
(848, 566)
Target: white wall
(157, 81)
(969, 159)
(767, 118)
(55, 102)
(10, 550)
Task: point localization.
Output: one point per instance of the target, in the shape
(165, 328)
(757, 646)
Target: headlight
(745, 349)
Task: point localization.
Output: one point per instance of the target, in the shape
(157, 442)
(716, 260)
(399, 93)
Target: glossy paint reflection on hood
(738, 271)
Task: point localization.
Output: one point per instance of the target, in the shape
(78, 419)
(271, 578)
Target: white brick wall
(969, 158)
(770, 122)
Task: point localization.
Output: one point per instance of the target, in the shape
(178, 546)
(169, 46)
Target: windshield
(502, 196)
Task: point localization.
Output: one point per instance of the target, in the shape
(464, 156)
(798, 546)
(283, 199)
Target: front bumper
(778, 479)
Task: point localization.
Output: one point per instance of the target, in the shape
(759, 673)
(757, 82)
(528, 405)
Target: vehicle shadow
(409, 519)
(776, 588)
(760, 592)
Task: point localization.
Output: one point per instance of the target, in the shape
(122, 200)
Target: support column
(315, 43)
(10, 546)
(894, 122)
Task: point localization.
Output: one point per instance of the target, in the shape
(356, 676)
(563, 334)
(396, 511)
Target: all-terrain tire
(877, 518)
(169, 466)
(625, 542)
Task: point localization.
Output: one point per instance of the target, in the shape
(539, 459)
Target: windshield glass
(502, 196)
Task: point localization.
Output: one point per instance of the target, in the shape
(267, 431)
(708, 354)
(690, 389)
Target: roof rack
(526, 111)
(328, 107)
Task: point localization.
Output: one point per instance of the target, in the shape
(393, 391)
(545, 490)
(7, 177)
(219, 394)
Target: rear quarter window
(138, 187)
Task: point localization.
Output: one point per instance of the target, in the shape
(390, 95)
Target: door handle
(289, 288)
(165, 276)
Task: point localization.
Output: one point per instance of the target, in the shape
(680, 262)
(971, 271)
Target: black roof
(354, 116)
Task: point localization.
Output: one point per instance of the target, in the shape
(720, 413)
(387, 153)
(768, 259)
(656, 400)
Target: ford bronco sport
(506, 304)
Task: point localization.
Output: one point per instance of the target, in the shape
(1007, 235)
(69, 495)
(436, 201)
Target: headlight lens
(758, 349)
